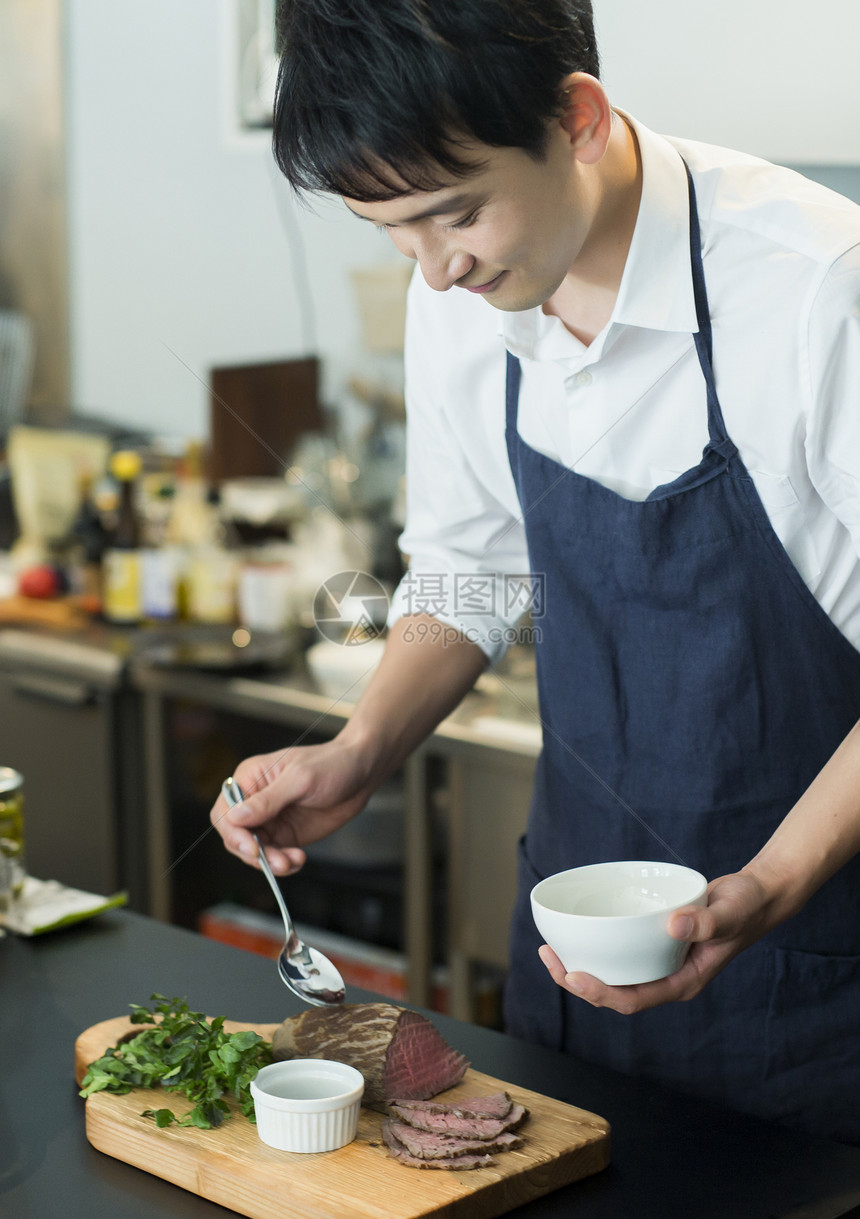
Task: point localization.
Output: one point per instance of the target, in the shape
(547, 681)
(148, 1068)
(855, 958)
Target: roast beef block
(398, 1052)
(460, 1124)
(399, 1152)
(498, 1104)
(427, 1146)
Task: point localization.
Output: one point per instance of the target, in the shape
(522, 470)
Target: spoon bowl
(306, 971)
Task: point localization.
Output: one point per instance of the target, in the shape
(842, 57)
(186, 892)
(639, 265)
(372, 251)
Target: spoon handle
(232, 793)
(276, 889)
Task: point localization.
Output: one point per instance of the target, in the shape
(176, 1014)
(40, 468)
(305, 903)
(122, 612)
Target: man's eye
(466, 221)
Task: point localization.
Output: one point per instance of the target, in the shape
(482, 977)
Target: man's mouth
(490, 284)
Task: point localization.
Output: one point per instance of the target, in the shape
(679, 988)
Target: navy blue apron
(691, 688)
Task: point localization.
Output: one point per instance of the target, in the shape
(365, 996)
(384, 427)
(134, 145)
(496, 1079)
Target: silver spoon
(304, 970)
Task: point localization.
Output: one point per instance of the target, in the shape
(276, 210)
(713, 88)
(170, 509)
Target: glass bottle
(122, 582)
(12, 870)
(88, 539)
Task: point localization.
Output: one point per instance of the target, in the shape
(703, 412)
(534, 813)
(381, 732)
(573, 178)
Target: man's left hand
(737, 914)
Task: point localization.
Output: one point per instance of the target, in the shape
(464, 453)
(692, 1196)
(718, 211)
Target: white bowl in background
(342, 671)
(609, 919)
(307, 1104)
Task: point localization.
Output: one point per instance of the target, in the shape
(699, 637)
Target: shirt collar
(656, 290)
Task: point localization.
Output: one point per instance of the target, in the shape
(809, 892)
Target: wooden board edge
(101, 1134)
(499, 1197)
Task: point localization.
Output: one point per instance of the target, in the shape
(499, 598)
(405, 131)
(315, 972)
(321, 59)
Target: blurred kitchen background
(202, 422)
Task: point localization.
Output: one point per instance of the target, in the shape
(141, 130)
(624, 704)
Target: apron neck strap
(513, 374)
(704, 337)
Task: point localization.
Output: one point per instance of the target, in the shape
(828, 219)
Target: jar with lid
(12, 868)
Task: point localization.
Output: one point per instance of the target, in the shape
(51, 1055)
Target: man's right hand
(294, 796)
(298, 795)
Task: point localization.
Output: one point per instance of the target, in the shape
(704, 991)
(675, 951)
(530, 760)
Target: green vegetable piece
(183, 1052)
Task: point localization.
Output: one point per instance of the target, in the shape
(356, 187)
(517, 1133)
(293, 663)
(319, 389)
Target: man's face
(510, 231)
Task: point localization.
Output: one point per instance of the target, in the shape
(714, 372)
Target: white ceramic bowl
(343, 671)
(307, 1104)
(609, 919)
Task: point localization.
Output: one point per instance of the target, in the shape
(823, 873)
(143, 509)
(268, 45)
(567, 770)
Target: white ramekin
(307, 1104)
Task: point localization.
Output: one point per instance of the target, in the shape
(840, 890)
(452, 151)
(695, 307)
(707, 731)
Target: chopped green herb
(183, 1052)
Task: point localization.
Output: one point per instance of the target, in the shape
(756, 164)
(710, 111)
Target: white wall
(179, 229)
(776, 78)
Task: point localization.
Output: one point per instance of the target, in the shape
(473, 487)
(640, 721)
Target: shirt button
(583, 378)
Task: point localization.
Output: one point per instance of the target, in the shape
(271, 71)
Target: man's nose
(441, 262)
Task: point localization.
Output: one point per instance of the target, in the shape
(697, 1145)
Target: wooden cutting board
(64, 613)
(233, 1167)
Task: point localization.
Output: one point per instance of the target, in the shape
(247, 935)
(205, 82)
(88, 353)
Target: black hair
(370, 86)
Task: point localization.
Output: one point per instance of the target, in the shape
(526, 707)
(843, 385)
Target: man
(660, 403)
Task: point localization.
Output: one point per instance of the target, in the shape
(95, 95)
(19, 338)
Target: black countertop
(672, 1157)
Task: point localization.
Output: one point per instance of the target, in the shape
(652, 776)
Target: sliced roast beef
(427, 1146)
(398, 1052)
(498, 1104)
(457, 1162)
(461, 1125)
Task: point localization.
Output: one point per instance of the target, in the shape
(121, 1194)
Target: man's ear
(586, 117)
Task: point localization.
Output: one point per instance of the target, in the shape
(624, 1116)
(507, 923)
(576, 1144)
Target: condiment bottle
(160, 564)
(212, 575)
(12, 870)
(87, 544)
(122, 582)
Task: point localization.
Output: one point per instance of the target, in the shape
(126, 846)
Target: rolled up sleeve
(468, 560)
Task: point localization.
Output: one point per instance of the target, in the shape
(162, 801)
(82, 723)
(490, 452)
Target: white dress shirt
(782, 266)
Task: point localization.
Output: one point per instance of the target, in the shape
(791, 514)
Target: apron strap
(704, 338)
(513, 375)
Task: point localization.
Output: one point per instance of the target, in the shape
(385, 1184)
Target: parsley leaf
(183, 1052)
